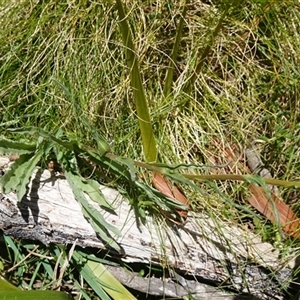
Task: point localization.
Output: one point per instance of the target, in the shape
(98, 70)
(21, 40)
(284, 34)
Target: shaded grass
(246, 90)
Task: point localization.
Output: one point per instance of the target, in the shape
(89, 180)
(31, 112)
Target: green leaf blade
(34, 295)
(101, 280)
(11, 147)
(148, 139)
(95, 218)
(92, 188)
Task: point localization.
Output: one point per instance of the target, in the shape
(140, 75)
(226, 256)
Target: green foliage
(88, 266)
(95, 218)
(7, 147)
(101, 280)
(203, 70)
(6, 286)
(10, 292)
(18, 176)
(66, 152)
(34, 295)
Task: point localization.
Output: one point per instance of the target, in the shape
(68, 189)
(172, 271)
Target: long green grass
(235, 79)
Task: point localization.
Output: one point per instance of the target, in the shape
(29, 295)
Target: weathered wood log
(226, 256)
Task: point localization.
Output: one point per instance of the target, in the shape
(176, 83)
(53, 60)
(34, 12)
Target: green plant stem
(170, 72)
(164, 169)
(271, 181)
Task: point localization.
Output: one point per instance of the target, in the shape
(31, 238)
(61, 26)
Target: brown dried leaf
(288, 220)
(162, 184)
(259, 200)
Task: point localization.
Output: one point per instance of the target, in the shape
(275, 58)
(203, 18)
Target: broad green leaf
(48, 268)
(10, 180)
(11, 292)
(102, 145)
(149, 144)
(68, 160)
(103, 234)
(10, 147)
(95, 218)
(131, 167)
(7, 286)
(100, 279)
(16, 120)
(28, 130)
(66, 144)
(81, 289)
(110, 164)
(92, 188)
(176, 176)
(9, 242)
(48, 147)
(27, 173)
(86, 272)
(18, 176)
(34, 295)
(97, 259)
(113, 287)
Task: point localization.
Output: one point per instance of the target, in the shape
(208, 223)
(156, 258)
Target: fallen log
(225, 256)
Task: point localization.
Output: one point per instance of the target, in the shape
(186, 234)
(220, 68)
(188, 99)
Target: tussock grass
(245, 87)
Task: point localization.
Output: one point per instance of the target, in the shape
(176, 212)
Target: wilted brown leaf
(259, 200)
(288, 220)
(162, 184)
